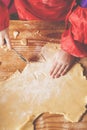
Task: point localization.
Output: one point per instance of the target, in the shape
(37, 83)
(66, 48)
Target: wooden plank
(57, 122)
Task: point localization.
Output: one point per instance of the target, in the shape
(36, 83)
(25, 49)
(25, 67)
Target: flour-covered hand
(61, 63)
(4, 38)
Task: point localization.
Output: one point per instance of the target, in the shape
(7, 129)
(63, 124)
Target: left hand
(4, 37)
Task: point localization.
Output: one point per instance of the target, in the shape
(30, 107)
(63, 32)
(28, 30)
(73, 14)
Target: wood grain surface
(32, 35)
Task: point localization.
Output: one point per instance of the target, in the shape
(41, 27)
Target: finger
(1, 42)
(59, 72)
(53, 68)
(65, 70)
(8, 41)
(56, 71)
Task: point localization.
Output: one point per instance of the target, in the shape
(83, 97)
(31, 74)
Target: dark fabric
(10, 4)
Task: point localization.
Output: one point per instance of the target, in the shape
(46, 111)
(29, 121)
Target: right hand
(62, 63)
(5, 39)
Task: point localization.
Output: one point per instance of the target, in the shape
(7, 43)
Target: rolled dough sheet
(9, 63)
(26, 95)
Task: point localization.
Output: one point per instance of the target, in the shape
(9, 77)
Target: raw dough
(15, 34)
(28, 94)
(24, 42)
(10, 62)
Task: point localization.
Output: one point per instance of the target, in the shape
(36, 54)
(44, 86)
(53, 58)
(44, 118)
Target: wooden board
(57, 122)
(38, 33)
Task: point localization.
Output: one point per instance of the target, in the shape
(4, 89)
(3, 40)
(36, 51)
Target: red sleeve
(4, 16)
(74, 39)
(73, 47)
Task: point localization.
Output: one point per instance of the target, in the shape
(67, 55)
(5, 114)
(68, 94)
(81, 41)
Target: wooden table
(31, 37)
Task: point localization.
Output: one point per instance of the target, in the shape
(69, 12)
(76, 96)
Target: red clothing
(74, 39)
(54, 10)
(48, 10)
(10, 4)
(4, 17)
(4, 12)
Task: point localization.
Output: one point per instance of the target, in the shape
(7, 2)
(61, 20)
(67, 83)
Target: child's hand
(61, 64)
(4, 38)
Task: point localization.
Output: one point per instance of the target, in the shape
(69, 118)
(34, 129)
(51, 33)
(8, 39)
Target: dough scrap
(15, 34)
(26, 95)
